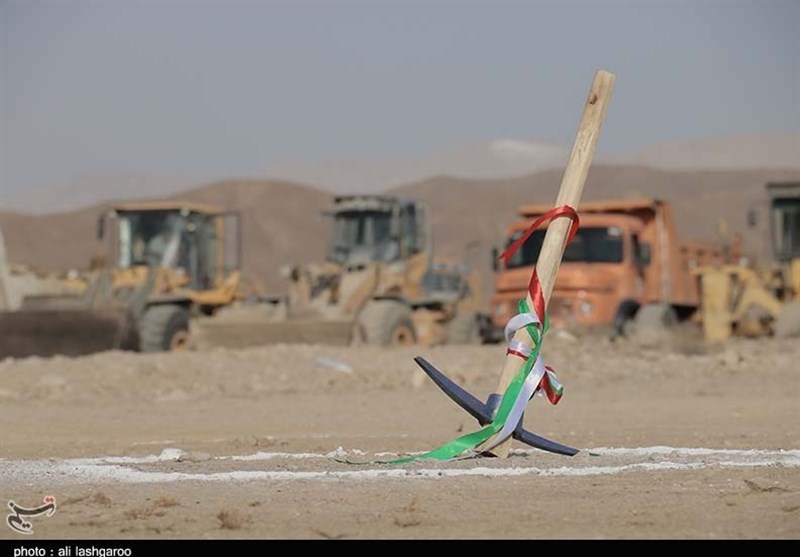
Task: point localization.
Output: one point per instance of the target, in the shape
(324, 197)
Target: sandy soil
(676, 443)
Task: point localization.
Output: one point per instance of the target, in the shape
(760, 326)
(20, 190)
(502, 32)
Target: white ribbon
(538, 371)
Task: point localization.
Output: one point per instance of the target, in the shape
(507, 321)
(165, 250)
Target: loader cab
(375, 229)
(785, 220)
(446, 282)
(192, 240)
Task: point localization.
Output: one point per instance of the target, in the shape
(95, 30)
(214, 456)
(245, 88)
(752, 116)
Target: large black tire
(387, 323)
(788, 322)
(464, 328)
(163, 328)
(623, 320)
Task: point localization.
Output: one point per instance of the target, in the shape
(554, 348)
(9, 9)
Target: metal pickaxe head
(484, 412)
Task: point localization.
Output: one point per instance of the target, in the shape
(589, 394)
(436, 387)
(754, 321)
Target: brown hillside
(51, 242)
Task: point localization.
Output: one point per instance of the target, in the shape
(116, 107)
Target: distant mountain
(497, 159)
(735, 152)
(91, 190)
(501, 159)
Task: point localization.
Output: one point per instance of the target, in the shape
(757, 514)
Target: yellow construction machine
(738, 299)
(379, 285)
(166, 261)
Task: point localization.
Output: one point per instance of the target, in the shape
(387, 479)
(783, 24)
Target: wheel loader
(740, 300)
(166, 261)
(379, 285)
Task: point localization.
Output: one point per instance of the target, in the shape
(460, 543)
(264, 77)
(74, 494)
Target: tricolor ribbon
(538, 378)
(534, 377)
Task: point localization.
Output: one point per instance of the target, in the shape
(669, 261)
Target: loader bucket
(69, 332)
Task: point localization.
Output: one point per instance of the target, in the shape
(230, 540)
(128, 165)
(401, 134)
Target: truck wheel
(163, 328)
(463, 328)
(387, 323)
(653, 324)
(623, 320)
(788, 322)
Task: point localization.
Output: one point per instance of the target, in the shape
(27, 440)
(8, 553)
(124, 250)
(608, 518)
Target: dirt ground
(679, 442)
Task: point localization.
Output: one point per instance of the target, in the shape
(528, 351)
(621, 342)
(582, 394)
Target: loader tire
(387, 323)
(164, 328)
(788, 323)
(463, 328)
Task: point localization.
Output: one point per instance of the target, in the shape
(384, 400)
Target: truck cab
(624, 255)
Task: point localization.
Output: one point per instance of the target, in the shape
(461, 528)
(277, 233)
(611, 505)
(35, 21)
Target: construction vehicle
(754, 302)
(626, 269)
(166, 261)
(379, 285)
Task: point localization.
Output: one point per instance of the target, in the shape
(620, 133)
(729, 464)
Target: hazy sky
(210, 89)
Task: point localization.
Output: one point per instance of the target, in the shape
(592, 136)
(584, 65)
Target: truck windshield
(363, 236)
(590, 245)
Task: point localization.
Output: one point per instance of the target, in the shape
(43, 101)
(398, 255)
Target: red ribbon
(516, 353)
(535, 287)
(551, 395)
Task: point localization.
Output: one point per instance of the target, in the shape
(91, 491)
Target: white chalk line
(112, 469)
(173, 454)
(685, 451)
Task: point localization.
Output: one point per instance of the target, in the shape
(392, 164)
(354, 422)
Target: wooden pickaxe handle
(580, 160)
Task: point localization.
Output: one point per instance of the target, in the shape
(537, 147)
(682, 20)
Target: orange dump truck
(625, 256)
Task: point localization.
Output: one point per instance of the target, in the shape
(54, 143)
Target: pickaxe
(544, 275)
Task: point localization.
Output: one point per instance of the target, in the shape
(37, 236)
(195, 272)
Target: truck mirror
(495, 260)
(644, 254)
